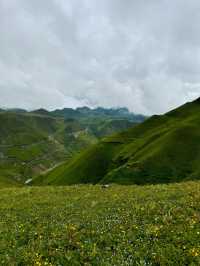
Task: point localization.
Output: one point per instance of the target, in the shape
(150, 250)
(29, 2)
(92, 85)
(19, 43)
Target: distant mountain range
(34, 142)
(83, 112)
(162, 149)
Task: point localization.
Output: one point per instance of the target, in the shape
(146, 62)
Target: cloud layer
(136, 53)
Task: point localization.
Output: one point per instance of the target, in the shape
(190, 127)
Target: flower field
(92, 225)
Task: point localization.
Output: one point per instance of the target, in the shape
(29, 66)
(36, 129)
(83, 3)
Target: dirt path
(50, 169)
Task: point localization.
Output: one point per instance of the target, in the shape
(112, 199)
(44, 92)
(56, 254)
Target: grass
(100, 155)
(31, 143)
(25, 145)
(162, 149)
(89, 225)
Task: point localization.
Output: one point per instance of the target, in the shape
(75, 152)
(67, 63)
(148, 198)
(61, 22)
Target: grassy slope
(31, 143)
(25, 146)
(92, 164)
(162, 149)
(7, 182)
(88, 225)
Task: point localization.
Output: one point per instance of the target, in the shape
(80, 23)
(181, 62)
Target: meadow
(92, 225)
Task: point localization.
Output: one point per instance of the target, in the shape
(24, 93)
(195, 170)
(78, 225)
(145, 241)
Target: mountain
(162, 149)
(100, 112)
(14, 110)
(41, 111)
(34, 142)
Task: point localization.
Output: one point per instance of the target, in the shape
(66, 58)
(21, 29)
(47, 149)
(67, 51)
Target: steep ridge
(160, 150)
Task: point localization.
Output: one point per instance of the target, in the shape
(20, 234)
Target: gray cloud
(141, 54)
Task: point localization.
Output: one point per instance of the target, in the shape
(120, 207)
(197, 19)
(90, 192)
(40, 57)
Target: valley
(100, 190)
(99, 133)
(33, 143)
(162, 149)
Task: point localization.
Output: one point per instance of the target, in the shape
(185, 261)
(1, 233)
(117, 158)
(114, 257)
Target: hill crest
(162, 149)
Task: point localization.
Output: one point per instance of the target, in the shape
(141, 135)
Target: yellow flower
(195, 252)
(71, 227)
(154, 230)
(38, 263)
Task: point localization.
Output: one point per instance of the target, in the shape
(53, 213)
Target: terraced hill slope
(162, 149)
(32, 143)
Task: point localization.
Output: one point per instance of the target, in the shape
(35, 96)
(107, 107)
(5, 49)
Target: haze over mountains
(33, 142)
(162, 149)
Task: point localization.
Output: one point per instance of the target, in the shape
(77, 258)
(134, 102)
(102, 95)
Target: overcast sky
(141, 54)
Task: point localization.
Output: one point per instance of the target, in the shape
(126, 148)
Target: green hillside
(27, 146)
(32, 143)
(162, 149)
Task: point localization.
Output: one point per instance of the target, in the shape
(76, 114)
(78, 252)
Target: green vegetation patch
(162, 149)
(33, 143)
(91, 225)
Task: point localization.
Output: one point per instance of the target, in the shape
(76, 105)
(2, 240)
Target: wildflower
(195, 252)
(154, 230)
(38, 263)
(71, 227)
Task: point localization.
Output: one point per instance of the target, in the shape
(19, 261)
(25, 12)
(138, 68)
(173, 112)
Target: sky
(144, 55)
